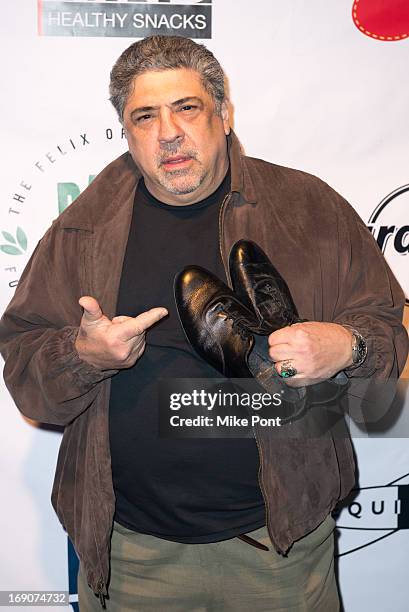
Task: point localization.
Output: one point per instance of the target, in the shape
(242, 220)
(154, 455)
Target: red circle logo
(386, 20)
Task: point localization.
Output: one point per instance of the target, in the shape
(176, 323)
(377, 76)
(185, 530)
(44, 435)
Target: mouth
(176, 162)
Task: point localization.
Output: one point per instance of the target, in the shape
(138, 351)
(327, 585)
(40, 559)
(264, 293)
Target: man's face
(175, 137)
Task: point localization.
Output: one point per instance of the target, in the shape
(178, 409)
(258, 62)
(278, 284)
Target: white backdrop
(309, 90)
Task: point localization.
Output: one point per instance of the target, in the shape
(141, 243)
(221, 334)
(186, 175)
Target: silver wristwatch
(359, 348)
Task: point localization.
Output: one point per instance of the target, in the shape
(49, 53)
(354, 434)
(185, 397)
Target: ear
(225, 117)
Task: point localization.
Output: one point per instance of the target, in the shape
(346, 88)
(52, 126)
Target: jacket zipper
(102, 600)
(101, 581)
(227, 271)
(260, 470)
(221, 232)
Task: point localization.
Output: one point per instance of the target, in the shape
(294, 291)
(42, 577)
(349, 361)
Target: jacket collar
(116, 185)
(240, 178)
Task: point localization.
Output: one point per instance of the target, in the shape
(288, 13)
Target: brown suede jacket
(335, 273)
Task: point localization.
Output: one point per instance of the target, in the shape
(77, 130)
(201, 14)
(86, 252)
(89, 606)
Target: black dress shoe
(215, 321)
(217, 325)
(259, 285)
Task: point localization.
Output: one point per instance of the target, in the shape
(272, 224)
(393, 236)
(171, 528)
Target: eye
(143, 118)
(186, 108)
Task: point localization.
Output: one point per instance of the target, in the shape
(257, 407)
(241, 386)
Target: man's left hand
(316, 350)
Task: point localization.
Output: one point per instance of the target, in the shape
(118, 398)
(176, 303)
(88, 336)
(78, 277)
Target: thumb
(92, 311)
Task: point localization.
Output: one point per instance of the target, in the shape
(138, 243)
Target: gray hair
(164, 53)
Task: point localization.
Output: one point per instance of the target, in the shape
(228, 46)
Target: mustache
(174, 148)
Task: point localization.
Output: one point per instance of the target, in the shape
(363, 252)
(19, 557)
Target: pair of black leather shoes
(228, 327)
(225, 326)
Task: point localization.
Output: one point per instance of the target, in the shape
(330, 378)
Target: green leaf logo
(12, 248)
(21, 238)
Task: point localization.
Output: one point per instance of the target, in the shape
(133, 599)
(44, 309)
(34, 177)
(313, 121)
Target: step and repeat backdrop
(316, 85)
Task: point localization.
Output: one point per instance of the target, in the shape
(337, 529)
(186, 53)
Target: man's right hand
(116, 344)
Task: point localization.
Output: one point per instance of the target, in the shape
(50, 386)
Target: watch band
(359, 348)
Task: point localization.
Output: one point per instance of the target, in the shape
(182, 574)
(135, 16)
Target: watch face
(360, 349)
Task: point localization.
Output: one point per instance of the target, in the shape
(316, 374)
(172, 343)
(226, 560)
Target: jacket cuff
(373, 360)
(66, 357)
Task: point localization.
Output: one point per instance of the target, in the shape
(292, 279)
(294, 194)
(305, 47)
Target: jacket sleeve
(43, 371)
(370, 300)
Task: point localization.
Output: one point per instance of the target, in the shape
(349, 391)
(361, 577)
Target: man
(195, 529)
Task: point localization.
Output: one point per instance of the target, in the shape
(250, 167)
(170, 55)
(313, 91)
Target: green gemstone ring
(287, 370)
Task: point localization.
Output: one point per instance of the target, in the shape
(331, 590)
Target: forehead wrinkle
(192, 84)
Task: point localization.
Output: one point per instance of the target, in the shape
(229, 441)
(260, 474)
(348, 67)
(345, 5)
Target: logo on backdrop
(389, 225)
(40, 180)
(14, 245)
(129, 18)
(385, 21)
(375, 514)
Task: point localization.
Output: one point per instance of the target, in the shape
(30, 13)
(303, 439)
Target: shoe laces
(239, 322)
(276, 297)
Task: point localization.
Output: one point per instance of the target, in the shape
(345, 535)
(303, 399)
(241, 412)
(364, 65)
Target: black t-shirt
(187, 490)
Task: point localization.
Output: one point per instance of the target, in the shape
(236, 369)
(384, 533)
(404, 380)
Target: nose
(169, 128)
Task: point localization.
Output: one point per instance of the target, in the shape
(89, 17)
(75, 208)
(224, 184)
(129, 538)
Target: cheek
(141, 148)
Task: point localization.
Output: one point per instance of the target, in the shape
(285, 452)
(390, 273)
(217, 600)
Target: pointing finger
(138, 325)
